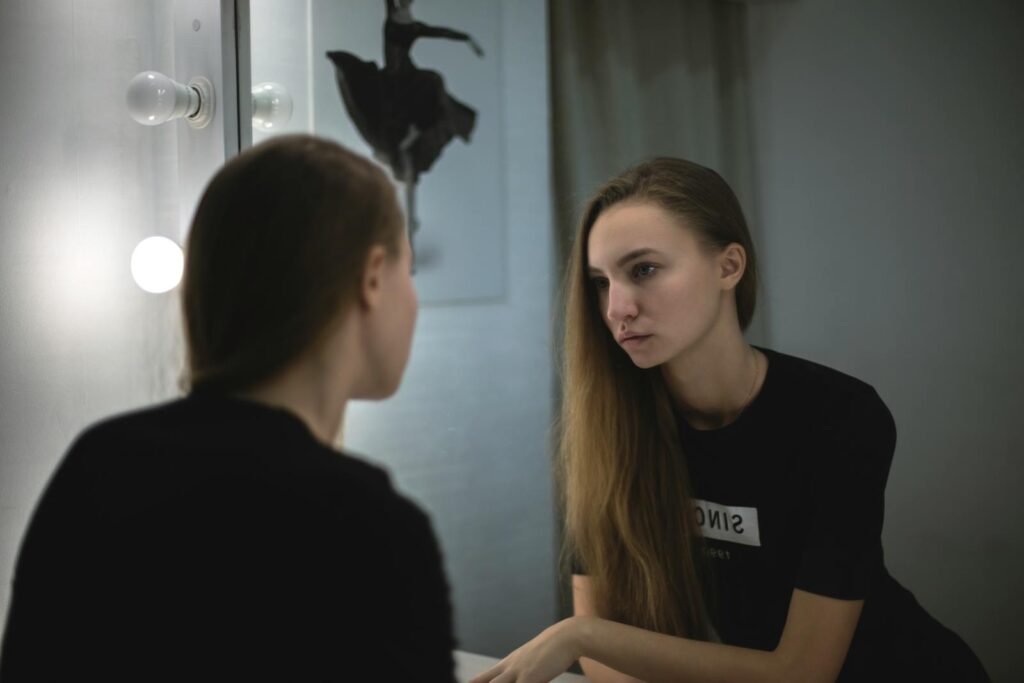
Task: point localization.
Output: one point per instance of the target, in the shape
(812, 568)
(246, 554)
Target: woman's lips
(633, 342)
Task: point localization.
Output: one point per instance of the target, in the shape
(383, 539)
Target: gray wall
(80, 185)
(889, 160)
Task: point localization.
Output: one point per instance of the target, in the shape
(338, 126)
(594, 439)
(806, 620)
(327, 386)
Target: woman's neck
(316, 387)
(713, 384)
(321, 410)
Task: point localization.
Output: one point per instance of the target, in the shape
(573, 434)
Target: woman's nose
(621, 304)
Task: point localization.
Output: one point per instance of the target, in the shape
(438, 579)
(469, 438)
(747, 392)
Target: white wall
(889, 157)
(80, 185)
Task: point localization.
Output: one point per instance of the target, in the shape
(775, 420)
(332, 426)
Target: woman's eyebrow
(636, 253)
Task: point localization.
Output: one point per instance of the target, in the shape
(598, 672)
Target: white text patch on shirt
(728, 523)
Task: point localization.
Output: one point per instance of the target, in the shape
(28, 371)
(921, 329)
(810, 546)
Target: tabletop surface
(468, 665)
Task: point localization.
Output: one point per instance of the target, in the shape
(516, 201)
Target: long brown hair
(629, 516)
(276, 250)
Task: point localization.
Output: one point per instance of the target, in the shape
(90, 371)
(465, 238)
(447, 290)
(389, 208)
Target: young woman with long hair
(221, 535)
(723, 502)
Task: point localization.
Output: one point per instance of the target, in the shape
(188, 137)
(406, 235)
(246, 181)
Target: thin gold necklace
(750, 394)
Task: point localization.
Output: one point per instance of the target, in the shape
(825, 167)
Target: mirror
(872, 150)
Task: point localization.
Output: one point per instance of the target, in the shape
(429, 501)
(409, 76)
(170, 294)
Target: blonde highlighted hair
(629, 517)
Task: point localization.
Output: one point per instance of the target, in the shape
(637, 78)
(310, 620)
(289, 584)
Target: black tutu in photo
(405, 114)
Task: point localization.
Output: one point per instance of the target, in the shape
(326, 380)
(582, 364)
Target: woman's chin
(645, 360)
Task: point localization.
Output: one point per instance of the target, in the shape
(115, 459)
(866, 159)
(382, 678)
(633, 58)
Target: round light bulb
(157, 264)
(153, 98)
(271, 106)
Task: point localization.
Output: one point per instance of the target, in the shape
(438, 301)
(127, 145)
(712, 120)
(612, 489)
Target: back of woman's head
(276, 253)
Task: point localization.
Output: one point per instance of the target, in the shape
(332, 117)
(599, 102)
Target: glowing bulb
(157, 264)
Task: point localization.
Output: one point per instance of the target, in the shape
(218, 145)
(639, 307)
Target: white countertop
(468, 665)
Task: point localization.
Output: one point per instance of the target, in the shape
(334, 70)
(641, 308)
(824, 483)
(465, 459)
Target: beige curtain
(636, 79)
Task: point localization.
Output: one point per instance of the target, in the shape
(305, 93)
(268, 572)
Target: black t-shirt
(213, 537)
(791, 496)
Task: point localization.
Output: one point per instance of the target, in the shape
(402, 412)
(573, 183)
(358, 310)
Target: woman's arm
(812, 649)
(412, 577)
(427, 31)
(583, 606)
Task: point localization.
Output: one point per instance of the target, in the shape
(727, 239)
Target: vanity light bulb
(271, 107)
(157, 264)
(153, 98)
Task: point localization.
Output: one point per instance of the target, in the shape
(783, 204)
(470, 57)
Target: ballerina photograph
(402, 111)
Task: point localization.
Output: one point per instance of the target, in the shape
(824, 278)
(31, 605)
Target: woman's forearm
(653, 657)
(596, 672)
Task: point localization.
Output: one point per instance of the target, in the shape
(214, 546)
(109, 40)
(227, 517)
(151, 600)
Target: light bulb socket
(202, 103)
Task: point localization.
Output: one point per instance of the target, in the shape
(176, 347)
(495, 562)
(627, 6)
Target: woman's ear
(371, 284)
(732, 263)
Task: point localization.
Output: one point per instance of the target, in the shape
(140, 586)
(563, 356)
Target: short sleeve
(842, 551)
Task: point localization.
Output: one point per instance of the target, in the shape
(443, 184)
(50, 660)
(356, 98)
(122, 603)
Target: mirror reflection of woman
(221, 535)
(723, 502)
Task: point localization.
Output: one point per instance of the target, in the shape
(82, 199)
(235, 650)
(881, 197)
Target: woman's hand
(540, 660)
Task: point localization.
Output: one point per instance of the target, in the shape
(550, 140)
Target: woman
(714, 491)
(220, 535)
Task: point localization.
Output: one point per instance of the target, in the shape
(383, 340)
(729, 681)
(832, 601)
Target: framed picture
(435, 61)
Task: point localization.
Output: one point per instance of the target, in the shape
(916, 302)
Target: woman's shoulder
(206, 446)
(828, 396)
(815, 379)
(835, 412)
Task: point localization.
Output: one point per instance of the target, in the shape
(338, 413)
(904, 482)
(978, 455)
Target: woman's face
(393, 323)
(659, 290)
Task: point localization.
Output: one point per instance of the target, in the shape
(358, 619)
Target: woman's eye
(600, 283)
(643, 270)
